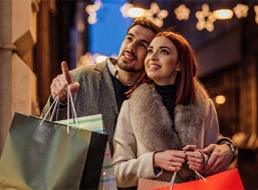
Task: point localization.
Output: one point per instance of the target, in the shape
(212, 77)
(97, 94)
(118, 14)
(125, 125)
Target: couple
(184, 115)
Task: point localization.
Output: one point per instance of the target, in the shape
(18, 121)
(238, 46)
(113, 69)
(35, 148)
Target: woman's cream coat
(144, 127)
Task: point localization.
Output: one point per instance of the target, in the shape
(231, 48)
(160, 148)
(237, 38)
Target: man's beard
(130, 69)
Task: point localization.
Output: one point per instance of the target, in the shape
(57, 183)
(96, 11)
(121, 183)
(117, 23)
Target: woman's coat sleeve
(127, 166)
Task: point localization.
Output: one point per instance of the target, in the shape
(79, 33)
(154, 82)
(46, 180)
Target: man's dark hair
(144, 22)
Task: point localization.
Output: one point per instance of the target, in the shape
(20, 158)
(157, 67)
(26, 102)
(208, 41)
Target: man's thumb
(209, 148)
(74, 87)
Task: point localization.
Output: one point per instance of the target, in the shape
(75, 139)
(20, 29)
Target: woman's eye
(163, 51)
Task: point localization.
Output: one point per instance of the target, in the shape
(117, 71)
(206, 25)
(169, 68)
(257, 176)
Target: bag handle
(200, 176)
(54, 104)
(69, 97)
(50, 108)
(172, 181)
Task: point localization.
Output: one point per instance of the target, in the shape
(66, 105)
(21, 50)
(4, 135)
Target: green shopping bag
(94, 123)
(42, 155)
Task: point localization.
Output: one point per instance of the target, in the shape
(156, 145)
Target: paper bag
(94, 123)
(46, 157)
(227, 180)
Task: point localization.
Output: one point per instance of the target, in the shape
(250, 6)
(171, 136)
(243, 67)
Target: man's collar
(112, 68)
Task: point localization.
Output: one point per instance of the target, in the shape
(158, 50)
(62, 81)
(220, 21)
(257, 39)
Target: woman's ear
(178, 66)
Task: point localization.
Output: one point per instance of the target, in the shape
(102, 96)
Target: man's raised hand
(60, 83)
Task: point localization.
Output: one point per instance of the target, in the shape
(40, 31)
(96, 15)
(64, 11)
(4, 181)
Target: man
(100, 88)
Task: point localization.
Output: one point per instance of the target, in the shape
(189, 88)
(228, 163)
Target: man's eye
(129, 38)
(149, 51)
(143, 45)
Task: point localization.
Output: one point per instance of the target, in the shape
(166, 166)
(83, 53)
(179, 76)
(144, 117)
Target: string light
(241, 10)
(125, 9)
(156, 15)
(205, 18)
(220, 99)
(256, 13)
(182, 12)
(223, 14)
(136, 12)
(92, 11)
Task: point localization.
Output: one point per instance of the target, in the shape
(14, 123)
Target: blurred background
(36, 35)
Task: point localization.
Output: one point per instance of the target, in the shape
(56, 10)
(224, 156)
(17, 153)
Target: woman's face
(161, 62)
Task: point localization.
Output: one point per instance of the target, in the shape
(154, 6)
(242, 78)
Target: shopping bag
(227, 180)
(46, 157)
(94, 123)
(107, 180)
(148, 184)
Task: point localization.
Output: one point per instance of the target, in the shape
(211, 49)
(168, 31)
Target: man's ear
(178, 66)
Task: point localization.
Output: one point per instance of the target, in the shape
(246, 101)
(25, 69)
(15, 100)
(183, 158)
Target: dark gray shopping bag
(47, 157)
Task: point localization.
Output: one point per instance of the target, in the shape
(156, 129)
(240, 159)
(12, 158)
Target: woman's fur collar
(153, 126)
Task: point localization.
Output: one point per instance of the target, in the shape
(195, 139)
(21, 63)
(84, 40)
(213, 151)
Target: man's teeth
(129, 57)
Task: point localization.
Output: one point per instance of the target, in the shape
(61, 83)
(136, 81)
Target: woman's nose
(154, 56)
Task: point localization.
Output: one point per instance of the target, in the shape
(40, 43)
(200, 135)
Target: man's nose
(132, 46)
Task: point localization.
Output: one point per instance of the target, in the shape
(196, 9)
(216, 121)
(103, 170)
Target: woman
(164, 123)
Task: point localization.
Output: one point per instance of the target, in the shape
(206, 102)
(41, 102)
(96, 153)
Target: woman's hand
(196, 159)
(170, 160)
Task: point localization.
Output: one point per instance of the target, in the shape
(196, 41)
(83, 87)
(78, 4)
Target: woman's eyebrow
(166, 47)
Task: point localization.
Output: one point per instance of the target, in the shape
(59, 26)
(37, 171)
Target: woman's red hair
(185, 78)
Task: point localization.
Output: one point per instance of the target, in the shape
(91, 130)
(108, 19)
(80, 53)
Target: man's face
(134, 48)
